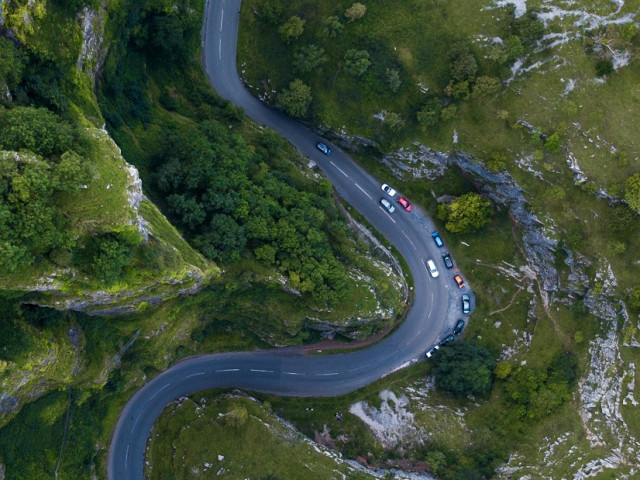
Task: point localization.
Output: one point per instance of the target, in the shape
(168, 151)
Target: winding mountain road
(288, 371)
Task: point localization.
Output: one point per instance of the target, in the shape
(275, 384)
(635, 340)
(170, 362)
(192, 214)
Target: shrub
(355, 12)
(464, 368)
(356, 62)
(632, 191)
(292, 29)
(467, 213)
(604, 67)
(296, 99)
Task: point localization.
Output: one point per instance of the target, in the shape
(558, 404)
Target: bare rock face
(91, 52)
(501, 188)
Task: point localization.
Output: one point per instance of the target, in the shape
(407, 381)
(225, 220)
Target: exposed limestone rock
(602, 394)
(8, 403)
(392, 424)
(92, 54)
(499, 187)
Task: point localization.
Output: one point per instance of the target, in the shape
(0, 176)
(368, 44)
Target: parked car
(405, 204)
(323, 148)
(466, 303)
(433, 350)
(433, 271)
(388, 190)
(458, 328)
(446, 340)
(437, 239)
(459, 281)
(447, 260)
(387, 205)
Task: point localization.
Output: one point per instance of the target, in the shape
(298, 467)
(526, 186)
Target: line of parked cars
(389, 190)
(466, 299)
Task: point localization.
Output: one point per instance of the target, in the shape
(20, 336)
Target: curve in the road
(289, 372)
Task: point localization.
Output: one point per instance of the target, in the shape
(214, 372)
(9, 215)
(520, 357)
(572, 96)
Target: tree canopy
(632, 191)
(356, 62)
(230, 204)
(296, 99)
(464, 368)
(467, 213)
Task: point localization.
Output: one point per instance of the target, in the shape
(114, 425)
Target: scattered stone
(220, 458)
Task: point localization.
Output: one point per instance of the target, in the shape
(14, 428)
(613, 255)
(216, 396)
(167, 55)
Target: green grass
(258, 447)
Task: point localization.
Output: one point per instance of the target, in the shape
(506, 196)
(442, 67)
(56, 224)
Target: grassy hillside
(243, 441)
(76, 224)
(544, 92)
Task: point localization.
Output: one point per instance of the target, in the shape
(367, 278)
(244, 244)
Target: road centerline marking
(412, 244)
(194, 374)
(388, 214)
(137, 418)
(159, 391)
(261, 371)
(363, 191)
(339, 169)
(229, 370)
(293, 373)
(326, 374)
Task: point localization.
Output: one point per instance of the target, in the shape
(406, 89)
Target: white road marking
(194, 375)
(390, 218)
(126, 456)
(263, 371)
(339, 169)
(293, 373)
(229, 370)
(362, 190)
(326, 374)
(137, 418)
(221, 18)
(414, 247)
(220, 49)
(159, 391)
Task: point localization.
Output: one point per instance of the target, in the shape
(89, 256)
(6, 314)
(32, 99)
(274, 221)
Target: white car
(432, 268)
(431, 352)
(388, 190)
(387, 205)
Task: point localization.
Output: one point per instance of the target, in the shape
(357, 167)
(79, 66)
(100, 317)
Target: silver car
(387, 205)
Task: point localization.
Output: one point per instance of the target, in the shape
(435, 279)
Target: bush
(464, 368)
(296, 99)
(355, 12)
(35, 129)
(356, 62)
(632, 191)
(467, 213)
(292, 29)
(604, 67)
(111, 252)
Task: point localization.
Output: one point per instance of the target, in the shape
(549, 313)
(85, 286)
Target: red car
(459, 281)
(405, 204)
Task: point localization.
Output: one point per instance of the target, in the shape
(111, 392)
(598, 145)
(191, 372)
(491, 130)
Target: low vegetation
(243, 441)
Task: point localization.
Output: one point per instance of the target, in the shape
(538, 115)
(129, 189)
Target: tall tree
(467, 213)
(292, 29)
(356, 62)
(296, 99)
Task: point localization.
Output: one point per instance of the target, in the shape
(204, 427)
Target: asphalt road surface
(288, 372)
